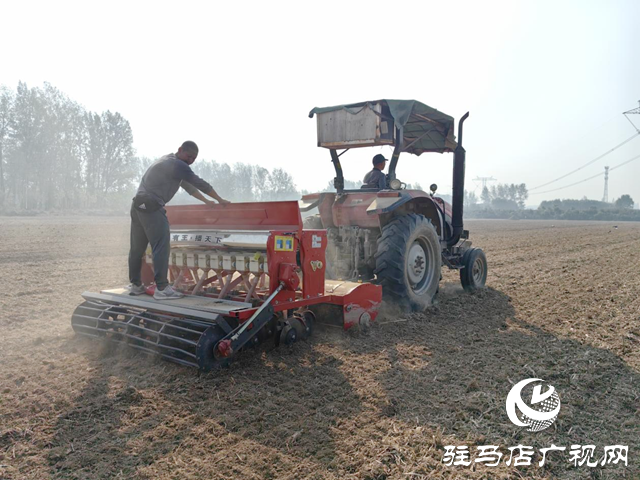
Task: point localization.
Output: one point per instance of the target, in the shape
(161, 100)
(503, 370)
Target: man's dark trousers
(150, 228)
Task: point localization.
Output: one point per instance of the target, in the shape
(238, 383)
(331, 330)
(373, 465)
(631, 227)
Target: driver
(376, 178)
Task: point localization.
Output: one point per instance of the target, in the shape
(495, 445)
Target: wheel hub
(417, 263)
(477, 271)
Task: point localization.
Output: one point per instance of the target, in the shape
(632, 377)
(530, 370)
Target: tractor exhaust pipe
(457, 199)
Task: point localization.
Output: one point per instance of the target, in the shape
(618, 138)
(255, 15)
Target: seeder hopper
(250, 273)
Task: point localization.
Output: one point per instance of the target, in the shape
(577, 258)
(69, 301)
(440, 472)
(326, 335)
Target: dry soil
(561, 304)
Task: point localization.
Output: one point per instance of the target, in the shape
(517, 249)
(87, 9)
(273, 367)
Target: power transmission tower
(632, 112)
(484, 180)
(605, 197)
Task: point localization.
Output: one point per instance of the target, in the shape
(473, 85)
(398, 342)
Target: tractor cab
(406, 125)
(364, 224)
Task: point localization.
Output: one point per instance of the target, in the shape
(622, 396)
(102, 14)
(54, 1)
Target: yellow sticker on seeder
(283, 244)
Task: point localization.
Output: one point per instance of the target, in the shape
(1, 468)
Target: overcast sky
(545, 82)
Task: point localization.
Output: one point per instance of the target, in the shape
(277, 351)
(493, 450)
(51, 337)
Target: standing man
(375, 178)
(149, 222)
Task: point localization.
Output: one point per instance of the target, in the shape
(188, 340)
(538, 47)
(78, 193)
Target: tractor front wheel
(408, 261)
(473, 274)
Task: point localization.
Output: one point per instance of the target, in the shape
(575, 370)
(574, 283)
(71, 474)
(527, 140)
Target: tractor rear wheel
(473, 274)
(408, 261)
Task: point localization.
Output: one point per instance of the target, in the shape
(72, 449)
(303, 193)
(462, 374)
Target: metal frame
(211, 313)
(220, 317)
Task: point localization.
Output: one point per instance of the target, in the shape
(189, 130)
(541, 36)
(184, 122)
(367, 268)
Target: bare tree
(6, 106)
(55, 154)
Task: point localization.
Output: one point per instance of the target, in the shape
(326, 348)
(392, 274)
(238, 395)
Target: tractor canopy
(414, 126)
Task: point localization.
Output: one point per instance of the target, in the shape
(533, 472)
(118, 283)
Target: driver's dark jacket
(375, 179)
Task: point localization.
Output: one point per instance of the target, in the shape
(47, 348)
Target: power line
(588, 163)
(587, 179)
(572, 142)
(624, 163)
(567, 186)
(631, 112)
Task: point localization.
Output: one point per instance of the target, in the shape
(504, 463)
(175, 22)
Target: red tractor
(395, 237)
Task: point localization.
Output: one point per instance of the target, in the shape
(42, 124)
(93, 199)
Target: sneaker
(136, 289)
(167, 294)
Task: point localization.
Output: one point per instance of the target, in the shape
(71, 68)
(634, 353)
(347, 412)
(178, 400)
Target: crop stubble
(561, 305)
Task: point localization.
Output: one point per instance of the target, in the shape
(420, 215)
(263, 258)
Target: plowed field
(562, 304)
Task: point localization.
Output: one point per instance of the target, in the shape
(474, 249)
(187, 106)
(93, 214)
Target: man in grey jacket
(149, 222)
(376, 178)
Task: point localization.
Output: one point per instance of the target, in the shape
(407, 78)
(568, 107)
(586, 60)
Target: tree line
(55, 154)
(505, 196)
(508, 201)
(241, 182)
(624, 202)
